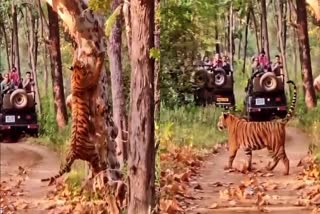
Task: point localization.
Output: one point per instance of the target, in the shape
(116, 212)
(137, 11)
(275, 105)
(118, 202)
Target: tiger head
(222, 122)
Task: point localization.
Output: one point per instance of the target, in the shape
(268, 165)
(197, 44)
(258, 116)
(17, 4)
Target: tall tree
(231, 37)
(56, 69)
(157, 61)
(6, 43)
(32, 25)
(246, 40)
(265, 28)
(281, 26)
(15, 38)
(118, 98)
(255, 27)
(141, 126)
(305, 58)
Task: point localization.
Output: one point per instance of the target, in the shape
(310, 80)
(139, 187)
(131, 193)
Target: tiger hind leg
(286, 163)
(280, 155)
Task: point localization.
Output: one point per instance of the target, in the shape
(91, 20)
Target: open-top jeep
(18, 113)
(265, 97)
(214, 86)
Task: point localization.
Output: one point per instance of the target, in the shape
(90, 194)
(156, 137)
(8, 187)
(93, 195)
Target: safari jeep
(266, 97)
(214, 86)
(18, 114)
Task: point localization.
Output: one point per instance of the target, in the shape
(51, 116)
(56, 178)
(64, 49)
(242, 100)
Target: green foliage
(111, 20)
(155, 53)
(190, 125)
(101, 6)
(48, 124)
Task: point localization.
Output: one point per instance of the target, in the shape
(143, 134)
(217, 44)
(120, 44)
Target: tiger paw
(227, 167)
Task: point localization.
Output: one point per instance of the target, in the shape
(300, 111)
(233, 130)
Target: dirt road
(22, 167)
(284, 190)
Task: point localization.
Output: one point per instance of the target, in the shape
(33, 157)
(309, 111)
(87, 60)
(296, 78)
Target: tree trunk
(118, 98)
(216, 30)
(45, 47)
(56, 69)
(255, 28)
(227, 34)
(284, 24)
(12, 48)
(246, 42)
(3, 29)
(141, 127)
(239, 45)
(157, 62)
(305, 59)
(231, 41)
(32, 36)
(280, 27)
(127, 20)
(265, 28)
(16, 38)
(295, 57)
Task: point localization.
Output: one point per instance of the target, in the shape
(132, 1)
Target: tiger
(258, 135)
(82, 144)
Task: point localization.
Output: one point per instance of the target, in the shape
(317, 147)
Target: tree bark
(56, 69)
(295, 57)
(265, 28)
(282, 46)
(6, 41)
(246, 42)
(127, 20)
(255, 28)
(157, 63)
(239, 45)
(16, 38)
(217, 45)
(118, 98)
(33, 43)
(45, 47)
(305, 58)
(231, 41)
(141, 127)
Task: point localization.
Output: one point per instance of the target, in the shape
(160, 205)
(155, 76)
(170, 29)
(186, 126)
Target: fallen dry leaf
(213, 206)
(232, 203)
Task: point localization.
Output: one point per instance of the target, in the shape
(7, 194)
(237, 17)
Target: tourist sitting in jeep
(225, 64)
(6, 84)
(277, 66)
(28, 83)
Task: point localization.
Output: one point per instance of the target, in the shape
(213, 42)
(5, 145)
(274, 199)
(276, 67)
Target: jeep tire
(19, 99)
(268, 82)
(220, 77)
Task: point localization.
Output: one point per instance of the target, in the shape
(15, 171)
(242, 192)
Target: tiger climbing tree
(87, 31)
